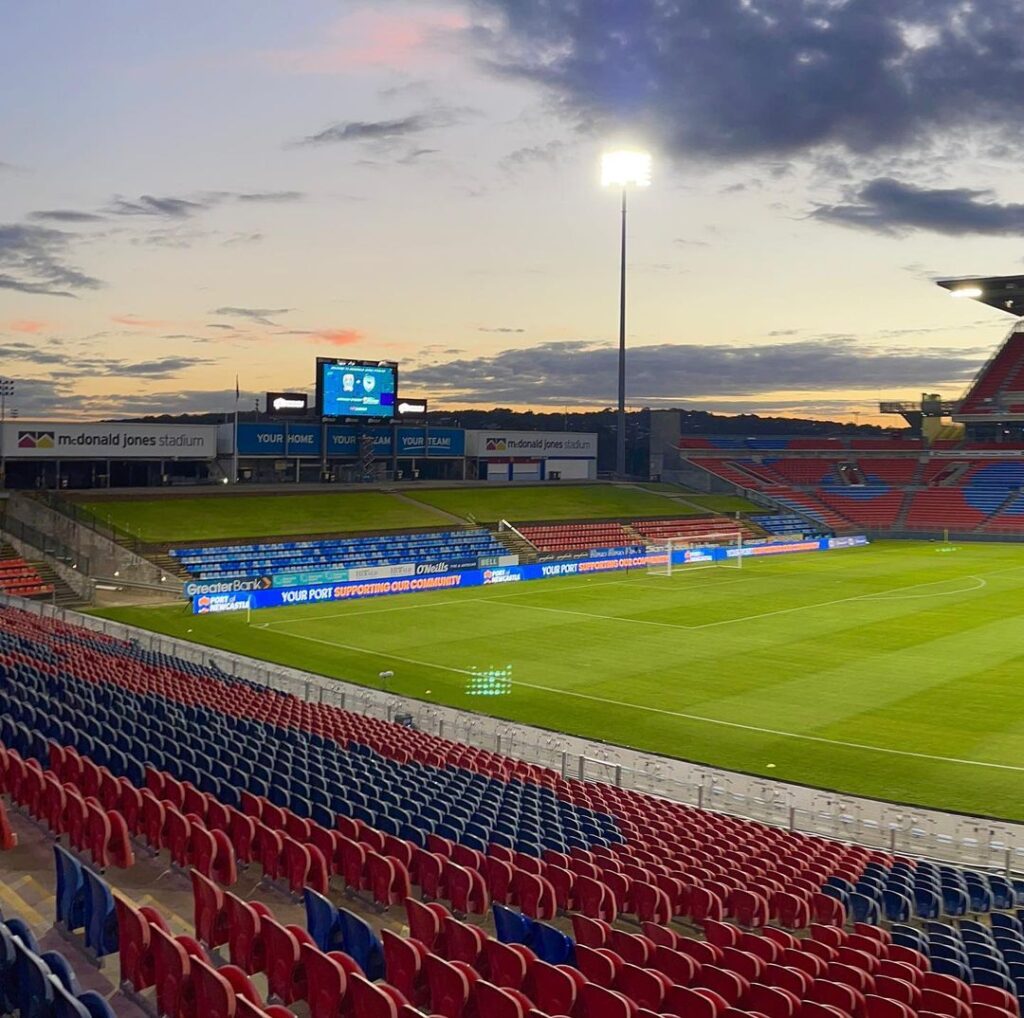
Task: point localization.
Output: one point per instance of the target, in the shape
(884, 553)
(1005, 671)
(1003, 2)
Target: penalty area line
(821, 739)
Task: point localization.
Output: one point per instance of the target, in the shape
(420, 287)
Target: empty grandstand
(217, 775)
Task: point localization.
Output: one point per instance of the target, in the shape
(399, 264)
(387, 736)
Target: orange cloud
(27, 325)
(139, 323)
(337, 337)
(371, 39)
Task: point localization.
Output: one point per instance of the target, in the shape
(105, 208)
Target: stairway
(908, 498)
(516, 545)
(61, 594)
(170, 566)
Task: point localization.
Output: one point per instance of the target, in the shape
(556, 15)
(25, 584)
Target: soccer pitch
(892, 671)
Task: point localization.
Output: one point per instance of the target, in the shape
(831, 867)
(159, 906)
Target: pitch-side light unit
(966, 291)
(626, 168)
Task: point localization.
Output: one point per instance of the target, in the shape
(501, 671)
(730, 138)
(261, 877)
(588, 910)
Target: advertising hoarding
(381, 587)
(505, 444)
(25, 440)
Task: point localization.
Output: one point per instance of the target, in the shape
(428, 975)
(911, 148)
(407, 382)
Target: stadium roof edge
(1004, 293)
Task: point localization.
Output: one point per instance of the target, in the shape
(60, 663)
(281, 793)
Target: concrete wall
(105, 557)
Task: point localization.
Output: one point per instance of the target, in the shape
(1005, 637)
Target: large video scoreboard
(347, 388)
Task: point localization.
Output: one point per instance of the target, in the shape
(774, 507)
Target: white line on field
(673, 713)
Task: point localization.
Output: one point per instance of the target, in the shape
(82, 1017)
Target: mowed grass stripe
(856, 688)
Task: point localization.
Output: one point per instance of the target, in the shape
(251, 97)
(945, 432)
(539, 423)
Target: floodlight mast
(623, 169)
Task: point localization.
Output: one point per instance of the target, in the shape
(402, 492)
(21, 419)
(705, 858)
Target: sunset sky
(195, 190)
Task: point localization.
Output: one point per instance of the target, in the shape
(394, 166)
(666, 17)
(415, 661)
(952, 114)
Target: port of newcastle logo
(496, 445)
(36, 440)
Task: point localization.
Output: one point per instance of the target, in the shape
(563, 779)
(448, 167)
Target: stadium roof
(1004, 293)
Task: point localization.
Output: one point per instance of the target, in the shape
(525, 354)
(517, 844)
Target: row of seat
(270, 558)
(698, 860)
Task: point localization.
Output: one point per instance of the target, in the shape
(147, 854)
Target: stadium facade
(69, 455)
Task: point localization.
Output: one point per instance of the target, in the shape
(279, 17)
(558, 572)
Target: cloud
(498, 328)
(337, 337)
(524, 158)
(262, 316)
(735, 78)
(166, 207)
(33, 261)
(583, 373)
(885, 205)
(163, 367)
(389, 130)
(135, 322)
(28, 326)
(65, 216)
(271, 197)
(371, 38)
(237, 239)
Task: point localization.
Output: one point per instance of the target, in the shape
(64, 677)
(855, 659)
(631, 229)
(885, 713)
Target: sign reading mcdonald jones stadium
(570, 445)
(23, 440)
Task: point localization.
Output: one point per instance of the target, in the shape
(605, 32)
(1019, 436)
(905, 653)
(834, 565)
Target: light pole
(6, 390)
(623, 169)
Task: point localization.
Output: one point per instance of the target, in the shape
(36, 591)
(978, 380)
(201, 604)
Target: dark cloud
(735, 78)
(163, 367)
(262, 316)
(33, 259)
(218, 325)
(388, 130)
(166, 207)
(581, 372)
(890, 206)
(65, 216)
(416, 154)
(271, 197)
(533, 155)
(57, 397)
(242, 238)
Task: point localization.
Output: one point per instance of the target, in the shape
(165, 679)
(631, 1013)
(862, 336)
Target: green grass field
(893, 671)
(212, 517)
(215, 517)
(572, 502)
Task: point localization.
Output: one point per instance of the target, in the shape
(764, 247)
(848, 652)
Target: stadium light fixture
(624, 168)
(966, 291)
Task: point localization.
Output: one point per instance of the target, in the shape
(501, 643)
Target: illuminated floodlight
(966, 291)
(626, 169)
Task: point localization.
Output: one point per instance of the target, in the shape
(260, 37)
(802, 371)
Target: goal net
(702, 552)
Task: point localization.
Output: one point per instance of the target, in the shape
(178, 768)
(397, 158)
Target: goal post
(705, 548)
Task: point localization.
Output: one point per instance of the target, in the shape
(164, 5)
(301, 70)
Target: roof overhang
(1004, 293)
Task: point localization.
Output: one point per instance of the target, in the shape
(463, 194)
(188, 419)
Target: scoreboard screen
(356, 388)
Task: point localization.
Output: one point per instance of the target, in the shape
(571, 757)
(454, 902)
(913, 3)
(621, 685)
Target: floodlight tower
(6, 391)
(623, 169)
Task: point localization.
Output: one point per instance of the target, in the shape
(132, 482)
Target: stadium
(742, 735)
(363, 656)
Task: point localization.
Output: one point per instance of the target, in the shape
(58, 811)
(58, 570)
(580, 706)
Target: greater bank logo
(36, 440)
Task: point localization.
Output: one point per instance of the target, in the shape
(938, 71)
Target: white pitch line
(676, 714)
(978, 585)
(878, 595)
